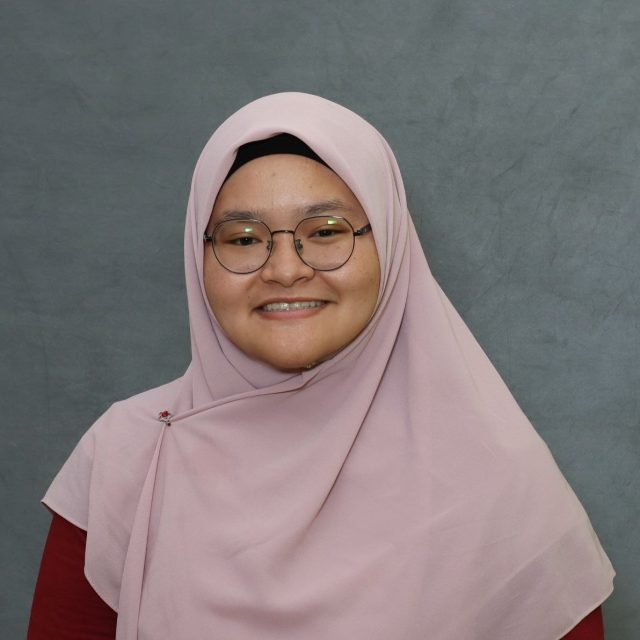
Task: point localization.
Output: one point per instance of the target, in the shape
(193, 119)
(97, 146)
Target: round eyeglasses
(323, 243)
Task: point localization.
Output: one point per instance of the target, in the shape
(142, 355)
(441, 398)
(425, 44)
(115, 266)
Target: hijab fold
(395, 491)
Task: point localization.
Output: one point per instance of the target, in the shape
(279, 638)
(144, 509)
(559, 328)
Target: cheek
(210, 278)
(369, 280)
(217, 287)
(360, 292)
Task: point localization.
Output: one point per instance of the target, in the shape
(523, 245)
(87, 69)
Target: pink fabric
(394, 491)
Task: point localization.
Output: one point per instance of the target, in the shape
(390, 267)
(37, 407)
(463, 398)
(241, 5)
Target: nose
(284, 265)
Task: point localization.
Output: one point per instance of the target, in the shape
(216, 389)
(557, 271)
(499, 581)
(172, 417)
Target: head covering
(394, 491)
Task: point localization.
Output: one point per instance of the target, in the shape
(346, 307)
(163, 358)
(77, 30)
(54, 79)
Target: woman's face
(280, 190)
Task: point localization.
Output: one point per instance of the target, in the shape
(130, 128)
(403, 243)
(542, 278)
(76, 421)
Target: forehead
(284, 186)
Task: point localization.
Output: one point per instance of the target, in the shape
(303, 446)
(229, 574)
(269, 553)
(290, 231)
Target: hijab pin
(165, 416)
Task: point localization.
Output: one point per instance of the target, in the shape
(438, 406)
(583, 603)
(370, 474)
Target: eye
(243, 241)
(326, 232)
(241, 234)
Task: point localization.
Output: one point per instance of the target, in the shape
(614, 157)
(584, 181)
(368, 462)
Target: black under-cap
(281, 143)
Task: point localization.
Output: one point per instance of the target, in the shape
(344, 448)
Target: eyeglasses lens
(241, 245)
(322, 242)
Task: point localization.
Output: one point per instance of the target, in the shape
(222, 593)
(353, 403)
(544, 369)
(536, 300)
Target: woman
(341, 459)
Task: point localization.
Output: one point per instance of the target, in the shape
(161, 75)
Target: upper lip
(289, 300)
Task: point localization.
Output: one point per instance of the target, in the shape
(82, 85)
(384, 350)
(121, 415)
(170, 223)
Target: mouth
(291, 306)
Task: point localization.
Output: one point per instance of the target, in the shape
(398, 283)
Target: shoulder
(146, 404)
(99, 485)
(134, 419)
(110, 461)
(120, 444)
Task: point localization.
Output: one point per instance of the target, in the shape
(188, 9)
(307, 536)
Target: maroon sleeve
(591, 628)
(65, 606)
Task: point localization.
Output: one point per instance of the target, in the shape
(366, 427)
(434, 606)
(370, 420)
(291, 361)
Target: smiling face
(326, 309)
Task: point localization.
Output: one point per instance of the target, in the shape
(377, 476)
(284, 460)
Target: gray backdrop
(515, 123)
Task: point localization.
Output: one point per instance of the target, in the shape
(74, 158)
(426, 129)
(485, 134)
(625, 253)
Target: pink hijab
(394, 491)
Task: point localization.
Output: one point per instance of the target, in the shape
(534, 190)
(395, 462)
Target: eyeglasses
(323, 243)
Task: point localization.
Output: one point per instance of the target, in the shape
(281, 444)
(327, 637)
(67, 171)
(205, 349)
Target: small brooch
(165, 416)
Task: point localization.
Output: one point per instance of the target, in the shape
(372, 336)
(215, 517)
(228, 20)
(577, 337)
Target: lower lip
(298, 314)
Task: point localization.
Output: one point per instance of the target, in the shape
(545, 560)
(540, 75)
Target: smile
(293, 306)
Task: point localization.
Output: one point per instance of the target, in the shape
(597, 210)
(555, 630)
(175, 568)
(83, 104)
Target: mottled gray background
(516, 125)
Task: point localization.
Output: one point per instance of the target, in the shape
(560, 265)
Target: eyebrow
(315, 209)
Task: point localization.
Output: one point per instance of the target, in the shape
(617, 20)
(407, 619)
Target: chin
(291, 366)
(292, 363)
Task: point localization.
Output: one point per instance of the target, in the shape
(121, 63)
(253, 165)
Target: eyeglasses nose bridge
(297, 243)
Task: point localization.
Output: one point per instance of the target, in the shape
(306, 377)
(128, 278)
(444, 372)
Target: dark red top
(65, 606)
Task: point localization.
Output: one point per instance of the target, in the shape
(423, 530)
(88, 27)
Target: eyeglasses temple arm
(362, 230)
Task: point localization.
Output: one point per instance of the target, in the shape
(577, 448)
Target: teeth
(292, 306)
